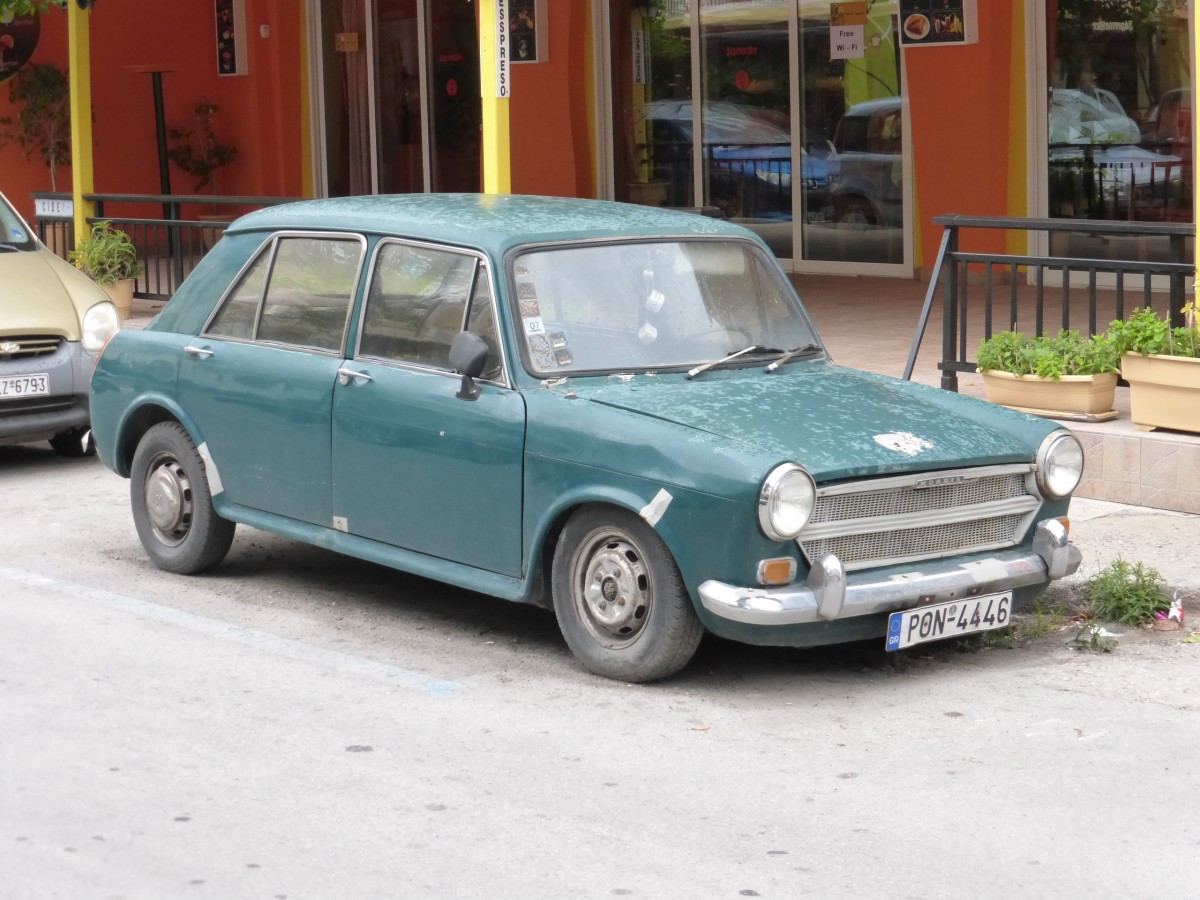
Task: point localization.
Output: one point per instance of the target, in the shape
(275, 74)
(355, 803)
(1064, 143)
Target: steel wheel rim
(168, 499)
(612, 588)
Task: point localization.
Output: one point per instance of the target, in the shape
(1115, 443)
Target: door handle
(198, 351)
(345, 376)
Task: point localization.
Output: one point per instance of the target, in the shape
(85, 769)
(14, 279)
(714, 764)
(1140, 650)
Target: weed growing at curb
(1129, 594)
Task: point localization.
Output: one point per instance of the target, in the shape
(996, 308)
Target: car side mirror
(468, 356)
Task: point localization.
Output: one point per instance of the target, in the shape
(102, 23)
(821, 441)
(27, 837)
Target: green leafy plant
(43, 123)
(1127, 593)
(197, 150)
(1067, 353)
(107, 256)
(1146, 332)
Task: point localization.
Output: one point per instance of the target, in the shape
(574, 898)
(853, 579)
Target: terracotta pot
(1072, 393)
(121, 294)
(1164, 391)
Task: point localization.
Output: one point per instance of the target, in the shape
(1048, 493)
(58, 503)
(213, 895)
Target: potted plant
(1162, 366)
(1064, 373)
(199, 153)
(109, 258)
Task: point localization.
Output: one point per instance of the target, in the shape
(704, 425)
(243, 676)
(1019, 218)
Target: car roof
(491, 222)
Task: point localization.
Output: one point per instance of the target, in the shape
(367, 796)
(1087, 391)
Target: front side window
(297, 292)
(419, 299)
(650, 305)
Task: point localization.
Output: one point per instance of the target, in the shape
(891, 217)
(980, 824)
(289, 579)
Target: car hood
(42, 294)
(837, 422)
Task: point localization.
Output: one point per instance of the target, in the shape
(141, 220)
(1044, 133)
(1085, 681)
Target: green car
(619, 412)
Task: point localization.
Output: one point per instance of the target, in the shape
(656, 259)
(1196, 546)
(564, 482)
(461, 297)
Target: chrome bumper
(826, 596)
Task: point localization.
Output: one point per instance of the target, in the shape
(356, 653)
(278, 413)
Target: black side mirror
(468, 356)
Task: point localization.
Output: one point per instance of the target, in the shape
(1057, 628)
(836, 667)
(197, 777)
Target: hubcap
(615, 593)
(169, 501)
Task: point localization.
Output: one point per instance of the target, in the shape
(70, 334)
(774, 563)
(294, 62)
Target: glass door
(1118, 120)
(398, 96)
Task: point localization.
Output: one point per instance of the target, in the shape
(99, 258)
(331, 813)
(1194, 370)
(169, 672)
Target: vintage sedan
(620, 412)
(53, 322)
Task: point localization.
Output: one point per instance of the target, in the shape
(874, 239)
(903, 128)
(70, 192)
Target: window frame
(483, 269)
(270, 247)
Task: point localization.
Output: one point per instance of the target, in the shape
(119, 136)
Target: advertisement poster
(934, 22)
(18, 40)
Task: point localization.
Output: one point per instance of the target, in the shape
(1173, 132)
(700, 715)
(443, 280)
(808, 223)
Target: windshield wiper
(13, 247)
(704, 367)
(793, 353)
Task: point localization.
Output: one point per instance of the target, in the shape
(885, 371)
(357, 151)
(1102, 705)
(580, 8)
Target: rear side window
(297, 292)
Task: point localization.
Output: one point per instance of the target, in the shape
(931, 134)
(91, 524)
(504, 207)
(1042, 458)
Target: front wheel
(172, 503)
(619, 598)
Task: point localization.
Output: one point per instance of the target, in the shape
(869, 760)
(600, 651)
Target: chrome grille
(885, 521)
(24, 347)
(872, 504)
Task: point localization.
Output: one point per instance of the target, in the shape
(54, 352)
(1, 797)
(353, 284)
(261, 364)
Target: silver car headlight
(1059, 465)
(100, 323)
(785, 502)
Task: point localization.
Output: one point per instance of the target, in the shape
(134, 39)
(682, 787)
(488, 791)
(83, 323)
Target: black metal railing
(171, 232)
(1144, 264)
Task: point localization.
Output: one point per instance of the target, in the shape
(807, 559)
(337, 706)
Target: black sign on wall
(930, 22)
(18, 40)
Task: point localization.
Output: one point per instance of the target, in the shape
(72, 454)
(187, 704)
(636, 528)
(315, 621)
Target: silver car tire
(619, 598)
(172, 503)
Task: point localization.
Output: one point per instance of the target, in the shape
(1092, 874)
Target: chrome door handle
(345, 376)
(198, 351)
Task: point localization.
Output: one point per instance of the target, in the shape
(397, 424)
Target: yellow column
(80, 63)
(497, 170)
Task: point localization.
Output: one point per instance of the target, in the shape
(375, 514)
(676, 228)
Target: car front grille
(11, 409)
(884, 521)
(23, 347)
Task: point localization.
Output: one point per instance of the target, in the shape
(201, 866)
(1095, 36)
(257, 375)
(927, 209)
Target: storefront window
(1120, 110)
(398, 80)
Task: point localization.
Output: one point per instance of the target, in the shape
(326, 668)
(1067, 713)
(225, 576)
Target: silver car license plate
(950, 619)
(14, 386)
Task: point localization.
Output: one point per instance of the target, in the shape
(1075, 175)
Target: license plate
(14, 386)
(946, 620)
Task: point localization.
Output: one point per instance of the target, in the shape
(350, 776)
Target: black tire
(636, 622)
(172, 503)
(75, 443)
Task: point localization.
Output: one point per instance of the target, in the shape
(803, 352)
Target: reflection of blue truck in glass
(747, 160)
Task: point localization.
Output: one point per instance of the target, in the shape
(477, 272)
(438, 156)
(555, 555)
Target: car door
(413, 465)
(258, 381)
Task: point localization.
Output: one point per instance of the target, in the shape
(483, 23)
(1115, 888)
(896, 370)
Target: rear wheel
(172, 503)
(619, 598)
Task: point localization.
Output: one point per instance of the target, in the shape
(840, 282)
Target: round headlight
(100, 323)
(785, 502)
(1059, 465)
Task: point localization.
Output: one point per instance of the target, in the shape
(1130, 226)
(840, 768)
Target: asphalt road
(300, 725)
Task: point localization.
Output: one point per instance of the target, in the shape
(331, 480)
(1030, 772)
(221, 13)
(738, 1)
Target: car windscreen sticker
(539, 349)
(534, 325)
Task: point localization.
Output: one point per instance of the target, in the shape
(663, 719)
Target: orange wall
(550, 133)
(960, 100)
(261, 113)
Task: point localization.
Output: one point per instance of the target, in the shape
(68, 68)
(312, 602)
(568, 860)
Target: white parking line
(261, 640)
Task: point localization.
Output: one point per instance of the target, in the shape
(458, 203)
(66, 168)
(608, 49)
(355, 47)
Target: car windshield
(624, 307)
(13, 233)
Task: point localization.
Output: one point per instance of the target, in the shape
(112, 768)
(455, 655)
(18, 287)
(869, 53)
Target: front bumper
(827, 596)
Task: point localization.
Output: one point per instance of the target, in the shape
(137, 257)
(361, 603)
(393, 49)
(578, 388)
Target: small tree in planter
(197, 150)
(43, 124)
(1061, 373)
(109, 258)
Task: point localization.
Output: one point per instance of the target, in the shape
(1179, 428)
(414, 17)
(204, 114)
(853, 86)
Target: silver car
(54, 320)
